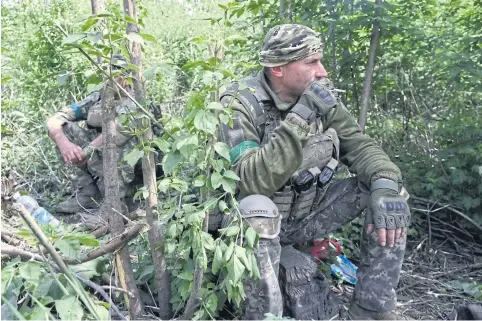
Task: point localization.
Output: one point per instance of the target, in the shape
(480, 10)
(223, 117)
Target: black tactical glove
(389, 209)
(316, 100)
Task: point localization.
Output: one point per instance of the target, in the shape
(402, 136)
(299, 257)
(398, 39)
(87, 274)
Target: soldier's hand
(72, 153)
(315, 101)
(389, 214)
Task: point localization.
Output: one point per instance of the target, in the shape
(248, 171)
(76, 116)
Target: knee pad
(262, 215)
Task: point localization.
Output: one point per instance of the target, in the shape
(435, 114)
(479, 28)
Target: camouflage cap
(288, 42)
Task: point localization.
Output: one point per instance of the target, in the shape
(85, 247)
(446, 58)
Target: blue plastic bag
(345, 269)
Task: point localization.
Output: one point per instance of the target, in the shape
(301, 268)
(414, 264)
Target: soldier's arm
(358, 151)
(75, 112)
(263, 170)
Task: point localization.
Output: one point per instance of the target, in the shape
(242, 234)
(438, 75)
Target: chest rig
(320, 155)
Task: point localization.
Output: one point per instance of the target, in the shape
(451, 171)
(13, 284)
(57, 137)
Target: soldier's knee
(262, 214)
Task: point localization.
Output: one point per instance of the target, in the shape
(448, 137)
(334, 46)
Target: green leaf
(30, 271)
(236, 269)
(223, 207)
(228, 185)
(133, 156)
(69, 308)
(216, 179)
(170, 161)
(89, 23)
(132, 67)
(43, 287)
(187, 145)
(223, 150)
(250, 236)
(240, 252)
(199, 181)
(95, 37)
(229, 252)
(91, 268)
(231, 175)
(214, 105)
(148, 37)
(230, 231)
(72, 39)
(217, 260)
(102, 312)
(206, 122)
(130, 19)
(40, 312)
(67, 248)
(193, 64)
(161, 144)
(208, 241)
(85, 239)
(254, 266)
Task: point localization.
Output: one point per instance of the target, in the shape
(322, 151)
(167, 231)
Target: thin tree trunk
(367, 83)
(281, 9)
(98, 6)
(112, 205)
(161, 274)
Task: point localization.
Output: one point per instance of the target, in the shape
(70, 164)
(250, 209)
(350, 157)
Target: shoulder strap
(252, 105)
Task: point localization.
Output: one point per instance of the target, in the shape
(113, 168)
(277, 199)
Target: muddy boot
(356, 312)
(87, 198)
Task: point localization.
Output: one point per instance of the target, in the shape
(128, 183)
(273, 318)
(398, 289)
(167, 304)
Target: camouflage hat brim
(289, 42)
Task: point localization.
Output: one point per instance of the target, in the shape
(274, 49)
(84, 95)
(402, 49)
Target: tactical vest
(321, 150)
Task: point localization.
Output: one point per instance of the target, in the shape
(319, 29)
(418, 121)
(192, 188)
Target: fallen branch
(10, 238)
(449, 207)
(104, 230)
(112, 246)
(113, 288)
(56, 257)
(13, 251)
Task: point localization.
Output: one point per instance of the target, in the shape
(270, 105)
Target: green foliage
(45, 293)
(424, 110)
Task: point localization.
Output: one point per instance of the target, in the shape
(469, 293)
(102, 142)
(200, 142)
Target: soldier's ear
(277, 71)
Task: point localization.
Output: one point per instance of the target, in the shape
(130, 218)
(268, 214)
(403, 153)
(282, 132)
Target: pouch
(303, 202)
(283, 200)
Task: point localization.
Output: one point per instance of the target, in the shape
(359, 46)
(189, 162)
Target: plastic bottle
(39, 214)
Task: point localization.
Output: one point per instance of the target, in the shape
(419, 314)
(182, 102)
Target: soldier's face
(297, 75)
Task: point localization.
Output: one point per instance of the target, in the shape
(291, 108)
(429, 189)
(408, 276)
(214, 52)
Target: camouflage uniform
(87, 180)
(272, 148)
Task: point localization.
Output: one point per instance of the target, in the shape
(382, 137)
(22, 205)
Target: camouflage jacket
(264, 167)
(89, 110)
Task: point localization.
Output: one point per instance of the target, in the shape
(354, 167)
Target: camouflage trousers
(91, 172)
(378, 270)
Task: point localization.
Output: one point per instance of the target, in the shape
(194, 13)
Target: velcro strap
(332, 164)
(304, 112)
(384, 183)
(315, 171)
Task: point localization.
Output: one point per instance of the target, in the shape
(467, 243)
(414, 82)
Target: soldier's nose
(321, 72)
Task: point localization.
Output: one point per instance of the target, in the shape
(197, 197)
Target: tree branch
(13, 251)
(55, 256)
(449, 207)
